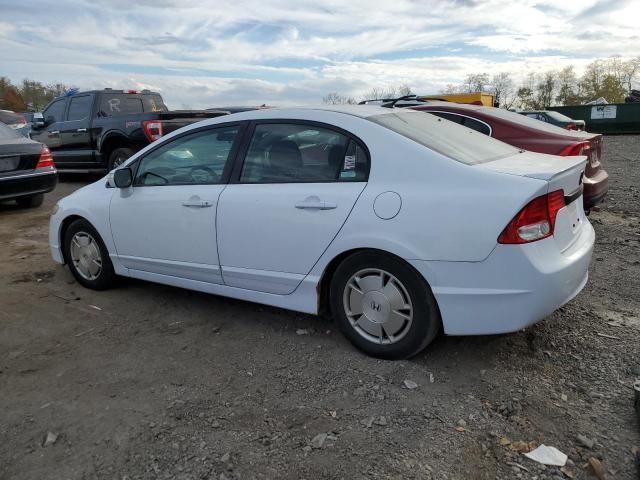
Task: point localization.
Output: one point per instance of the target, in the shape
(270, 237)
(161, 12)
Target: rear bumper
(516, 286)
(27, 183)
(595, 188)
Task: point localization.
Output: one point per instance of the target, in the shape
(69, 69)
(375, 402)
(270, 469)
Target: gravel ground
(148, 381)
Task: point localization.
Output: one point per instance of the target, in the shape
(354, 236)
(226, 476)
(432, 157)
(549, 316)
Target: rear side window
(523, 120)
(454, 141)
(113, 104)
(466, 121)
(292, 153)
(79, 107)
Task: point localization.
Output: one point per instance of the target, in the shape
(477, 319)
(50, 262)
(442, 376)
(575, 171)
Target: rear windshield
(558, 116)
(7, 133)
(445, 137)
(11, 118)
(113, 104)
(523, 120)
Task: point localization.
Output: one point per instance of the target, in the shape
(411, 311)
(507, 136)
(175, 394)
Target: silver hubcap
(85, 255)
(378, 306)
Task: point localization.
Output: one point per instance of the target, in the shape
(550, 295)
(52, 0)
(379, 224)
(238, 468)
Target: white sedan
(398, 223)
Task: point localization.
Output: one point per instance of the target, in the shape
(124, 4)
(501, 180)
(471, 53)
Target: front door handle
(81, 130)
(316, 205)
(53, 133)
(197, 204)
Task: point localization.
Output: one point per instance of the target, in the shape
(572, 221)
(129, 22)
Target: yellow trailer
(476, 98)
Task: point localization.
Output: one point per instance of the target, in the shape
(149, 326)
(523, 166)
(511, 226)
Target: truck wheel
(30, 201)
(118, 157)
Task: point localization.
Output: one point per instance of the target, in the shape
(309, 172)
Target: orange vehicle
(475, 98)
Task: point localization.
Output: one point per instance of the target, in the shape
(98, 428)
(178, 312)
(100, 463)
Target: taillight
(580, 148)
(571, 126)
(152, 129)
(535, 221)
(45, 160)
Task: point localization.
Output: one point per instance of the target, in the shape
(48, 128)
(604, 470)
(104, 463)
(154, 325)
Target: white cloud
(200, 53)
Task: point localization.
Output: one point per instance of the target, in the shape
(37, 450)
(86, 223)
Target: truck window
(113, 104)
(55, 110)
(79, 107)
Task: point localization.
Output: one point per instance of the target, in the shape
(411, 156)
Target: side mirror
(123, 177)
(38, 121)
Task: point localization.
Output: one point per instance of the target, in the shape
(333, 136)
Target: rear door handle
(197, 204)
(316, 205)
(81, 130)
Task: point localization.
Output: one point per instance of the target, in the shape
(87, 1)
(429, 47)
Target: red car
(528, 134)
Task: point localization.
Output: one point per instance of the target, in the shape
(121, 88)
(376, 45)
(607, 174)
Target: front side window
(292, 153)
(79, 107)
(55, 111)
(196, 159)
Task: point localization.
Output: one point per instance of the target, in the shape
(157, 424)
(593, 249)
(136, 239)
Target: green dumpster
(610, 118)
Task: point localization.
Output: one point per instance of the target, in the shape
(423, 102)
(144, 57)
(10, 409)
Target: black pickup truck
(100, 129)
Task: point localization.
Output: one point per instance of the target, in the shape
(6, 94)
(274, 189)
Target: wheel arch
(112, 141)
(64, 225)
(324, 284)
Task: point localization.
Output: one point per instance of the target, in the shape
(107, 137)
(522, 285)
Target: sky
(204, 53)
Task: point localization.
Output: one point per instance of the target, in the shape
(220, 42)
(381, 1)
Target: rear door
(288, 199)
(75, 135)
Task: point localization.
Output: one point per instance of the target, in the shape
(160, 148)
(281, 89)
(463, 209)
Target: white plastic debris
(547, 456)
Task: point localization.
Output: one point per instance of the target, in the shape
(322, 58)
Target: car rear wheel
(383, 305)
(118, 157)
(30, 201)
(87, 257)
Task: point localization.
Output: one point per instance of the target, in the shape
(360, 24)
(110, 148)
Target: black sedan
(27, 170)
(555, 118)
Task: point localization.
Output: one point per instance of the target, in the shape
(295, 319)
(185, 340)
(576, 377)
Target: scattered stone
(410, 384)
(50, 439)
(598, 469)
(225, 458)
(462, 423)
(431, 378)
(568, 471)
(564, 397)
(585, 441)
(318, 440)
(367, 422)
(302, 331)
(382, 421)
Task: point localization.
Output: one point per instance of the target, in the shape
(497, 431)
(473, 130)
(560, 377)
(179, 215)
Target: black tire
(107, 277)
(426, 321)
(119, 156)
(30, 201)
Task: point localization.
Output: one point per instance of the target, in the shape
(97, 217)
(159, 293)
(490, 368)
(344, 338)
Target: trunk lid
(18, 155)
(560, 173)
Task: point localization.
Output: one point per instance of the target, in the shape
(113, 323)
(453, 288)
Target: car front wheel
(383, 305)
(87, 257)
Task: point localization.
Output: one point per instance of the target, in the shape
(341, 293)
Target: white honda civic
(397, 222)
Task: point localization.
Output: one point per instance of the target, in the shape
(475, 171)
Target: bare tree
(545, 89)
(503, 89)
(334, 98)
(567, 84)
(476, 82)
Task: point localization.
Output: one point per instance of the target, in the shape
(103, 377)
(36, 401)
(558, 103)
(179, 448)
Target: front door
(166, 222)
(296, 188)
(50, 133)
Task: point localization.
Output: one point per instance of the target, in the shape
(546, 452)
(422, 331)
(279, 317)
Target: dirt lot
(147, 381)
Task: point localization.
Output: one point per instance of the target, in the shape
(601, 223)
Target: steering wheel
(200, 174)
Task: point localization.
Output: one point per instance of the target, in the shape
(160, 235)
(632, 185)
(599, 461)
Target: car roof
(362, 111)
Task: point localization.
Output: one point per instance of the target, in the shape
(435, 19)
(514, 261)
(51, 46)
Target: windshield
(445, 137)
